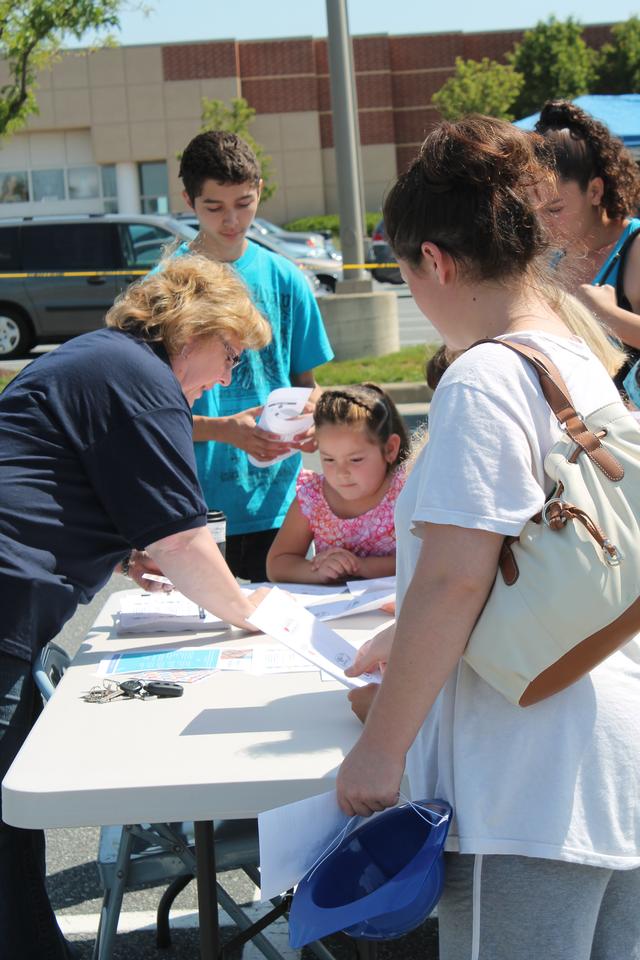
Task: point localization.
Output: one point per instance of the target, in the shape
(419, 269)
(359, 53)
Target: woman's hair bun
(470, 192)
(563, 115)
(475, 151)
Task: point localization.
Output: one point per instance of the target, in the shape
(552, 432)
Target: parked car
(327, 268)
(320, 239)
(380, 252)
(49, 304)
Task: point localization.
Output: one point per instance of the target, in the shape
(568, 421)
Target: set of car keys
(110, 690)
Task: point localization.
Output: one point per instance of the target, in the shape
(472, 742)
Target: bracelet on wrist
(125, 565)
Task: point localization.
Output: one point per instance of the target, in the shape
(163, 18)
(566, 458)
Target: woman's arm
(453, 577)
(195, 566)
(286, 561)
(602, 300)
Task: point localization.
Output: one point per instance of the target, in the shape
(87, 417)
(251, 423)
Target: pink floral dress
(372, 534)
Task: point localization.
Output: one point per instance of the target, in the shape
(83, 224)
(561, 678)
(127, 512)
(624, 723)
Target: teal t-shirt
(255, 498)
(612, 275)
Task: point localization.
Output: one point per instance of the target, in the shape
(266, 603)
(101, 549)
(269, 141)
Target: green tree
(236, 117)
(484, 86)
(619, 61)
(555, 62)
(31, 34)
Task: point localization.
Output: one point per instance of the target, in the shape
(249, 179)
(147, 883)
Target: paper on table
(162, 613)
(279, 660)
(282, 618)
(309, 826)
(282, 415)
(347, 607)
(378, 585)
(259, 660)
(143, 661)
(302, 589)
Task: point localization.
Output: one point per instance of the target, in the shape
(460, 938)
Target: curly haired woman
(591, 214)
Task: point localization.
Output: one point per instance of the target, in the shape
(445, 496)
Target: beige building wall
(379, 169)
(119, 103)
(114, 106)
(292, 140)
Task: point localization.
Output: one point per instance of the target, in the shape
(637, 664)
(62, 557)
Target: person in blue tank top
(592, 214)
(222, 186)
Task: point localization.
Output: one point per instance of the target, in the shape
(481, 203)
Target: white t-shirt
(559, 779)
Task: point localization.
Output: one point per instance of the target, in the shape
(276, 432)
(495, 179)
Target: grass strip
(405, 366)
(6, 376)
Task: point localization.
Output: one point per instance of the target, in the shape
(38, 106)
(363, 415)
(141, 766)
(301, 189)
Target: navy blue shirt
(96, 457)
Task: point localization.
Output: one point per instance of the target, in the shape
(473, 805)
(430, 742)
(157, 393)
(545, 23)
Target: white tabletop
(232, 746)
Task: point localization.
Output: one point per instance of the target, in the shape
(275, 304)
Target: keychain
(132, 689)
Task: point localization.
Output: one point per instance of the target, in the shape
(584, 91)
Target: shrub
(329, 221)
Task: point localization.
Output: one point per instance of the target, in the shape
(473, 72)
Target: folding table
(232, 746)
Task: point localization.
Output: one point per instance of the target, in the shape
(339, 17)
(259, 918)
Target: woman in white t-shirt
(544, 855)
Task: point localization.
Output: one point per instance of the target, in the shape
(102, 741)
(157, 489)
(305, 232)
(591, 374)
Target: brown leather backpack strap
(559, 399)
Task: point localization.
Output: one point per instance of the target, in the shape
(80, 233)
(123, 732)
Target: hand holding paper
(282, 618)
(284, 419)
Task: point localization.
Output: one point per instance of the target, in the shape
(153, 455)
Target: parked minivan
(38, 304)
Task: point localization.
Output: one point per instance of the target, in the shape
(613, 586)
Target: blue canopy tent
(621, 114)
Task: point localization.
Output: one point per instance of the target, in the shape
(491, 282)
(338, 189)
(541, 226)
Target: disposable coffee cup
(217, 527)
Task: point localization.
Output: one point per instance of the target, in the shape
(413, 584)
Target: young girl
(347, 511)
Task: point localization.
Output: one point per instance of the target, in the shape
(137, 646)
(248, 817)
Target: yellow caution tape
(141, 273)
(368, 266)
(75, 273)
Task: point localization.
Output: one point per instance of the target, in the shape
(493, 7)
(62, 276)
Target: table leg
(207, 895)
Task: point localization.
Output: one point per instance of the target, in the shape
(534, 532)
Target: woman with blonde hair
(96, 459)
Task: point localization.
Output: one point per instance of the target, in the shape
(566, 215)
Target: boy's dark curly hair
(220, 156)
(584, 148)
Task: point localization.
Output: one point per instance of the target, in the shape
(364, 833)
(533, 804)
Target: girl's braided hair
(367, 404)
(584, 148)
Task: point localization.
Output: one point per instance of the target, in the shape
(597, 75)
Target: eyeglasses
(233, 359)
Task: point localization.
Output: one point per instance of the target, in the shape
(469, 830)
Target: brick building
(112, 121)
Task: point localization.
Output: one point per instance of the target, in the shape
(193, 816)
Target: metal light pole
(345, 134)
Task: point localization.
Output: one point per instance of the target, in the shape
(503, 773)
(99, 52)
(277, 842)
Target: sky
(169, 21)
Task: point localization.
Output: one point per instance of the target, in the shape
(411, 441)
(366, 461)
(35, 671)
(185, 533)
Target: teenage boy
(222, 185)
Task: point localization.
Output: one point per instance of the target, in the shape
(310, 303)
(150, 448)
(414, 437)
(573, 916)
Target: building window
(14, 187)
(48, 185)
(109, 187)
(154, 187)
(84, 183)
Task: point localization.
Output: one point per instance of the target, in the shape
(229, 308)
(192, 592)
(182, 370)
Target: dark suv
(59, 275)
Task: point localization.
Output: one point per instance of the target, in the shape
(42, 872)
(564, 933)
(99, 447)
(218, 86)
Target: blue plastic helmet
(381, 881)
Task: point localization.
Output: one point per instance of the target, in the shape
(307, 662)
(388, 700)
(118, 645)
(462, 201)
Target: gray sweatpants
(523, 908)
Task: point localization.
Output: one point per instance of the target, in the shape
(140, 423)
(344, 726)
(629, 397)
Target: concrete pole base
(357, 285)
(361, 324)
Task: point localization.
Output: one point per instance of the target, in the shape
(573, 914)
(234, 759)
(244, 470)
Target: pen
(201, 613)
